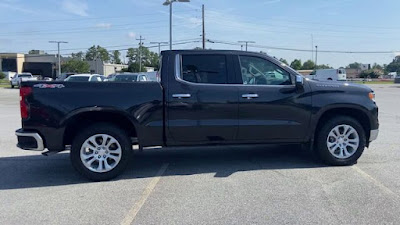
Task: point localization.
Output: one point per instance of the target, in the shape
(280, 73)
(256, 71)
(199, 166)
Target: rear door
(271, 109)
(202, 106)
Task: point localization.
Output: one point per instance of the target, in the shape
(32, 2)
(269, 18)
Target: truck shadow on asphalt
(40, 171)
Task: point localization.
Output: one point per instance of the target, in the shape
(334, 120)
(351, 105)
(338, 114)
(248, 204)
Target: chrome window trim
(178, 72)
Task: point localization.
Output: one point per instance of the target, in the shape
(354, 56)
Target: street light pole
(316, 55)
(59, 56)
(169, 3)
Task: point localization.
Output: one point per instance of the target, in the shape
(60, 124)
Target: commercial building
(38, 64)
(103, 68)
(46, 65)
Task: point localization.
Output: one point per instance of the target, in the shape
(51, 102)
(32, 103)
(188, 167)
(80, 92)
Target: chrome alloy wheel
(343, 141)
(101, 153)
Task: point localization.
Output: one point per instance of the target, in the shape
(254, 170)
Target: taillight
(24, 92)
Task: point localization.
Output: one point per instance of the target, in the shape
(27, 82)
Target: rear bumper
(29, 140)
(373, 135)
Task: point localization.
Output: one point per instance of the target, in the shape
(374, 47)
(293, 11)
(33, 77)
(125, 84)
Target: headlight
(371, 96)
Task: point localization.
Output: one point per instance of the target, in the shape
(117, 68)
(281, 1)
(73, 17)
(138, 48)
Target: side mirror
(299, 82)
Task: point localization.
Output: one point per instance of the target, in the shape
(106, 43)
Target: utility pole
(312, 47)
(316, 55)
(59, 56)
(204, 32)
(246, 43)
(159, 46)
(140, 52)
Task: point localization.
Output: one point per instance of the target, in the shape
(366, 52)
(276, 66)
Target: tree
(394, 66)
(146, 57)
(76, 66)
(77, 56)
(377, 66)
(323, 66)
(2, 75)
(308, 65)
(97, 52)
(373, 73)
(296, 64)
(116, 57)
(282, 60)
(354, 65)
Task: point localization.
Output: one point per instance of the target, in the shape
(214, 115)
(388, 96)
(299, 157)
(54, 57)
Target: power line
(246, 43)
(159, 45)
(84, 19)
(304, 50)
(111, 50)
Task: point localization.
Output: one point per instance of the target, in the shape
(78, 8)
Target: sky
(332, 25)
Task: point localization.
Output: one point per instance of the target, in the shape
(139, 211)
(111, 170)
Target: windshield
(125, 78)
(77, 79)
(24, 75)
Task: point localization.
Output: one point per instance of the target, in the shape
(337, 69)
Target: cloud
(104, 25)
(14, 6)
(77, 7)
(131, 35)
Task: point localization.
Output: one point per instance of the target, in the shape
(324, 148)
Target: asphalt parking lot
(275, 185)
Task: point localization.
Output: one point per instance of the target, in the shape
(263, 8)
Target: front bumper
(28, 140)
(373, 135)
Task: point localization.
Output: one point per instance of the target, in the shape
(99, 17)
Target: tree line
(79, 60)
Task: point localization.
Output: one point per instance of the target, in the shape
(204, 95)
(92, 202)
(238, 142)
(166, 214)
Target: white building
(100, 67)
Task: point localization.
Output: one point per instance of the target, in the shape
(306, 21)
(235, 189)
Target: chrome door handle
(181, 96)
(250, 96)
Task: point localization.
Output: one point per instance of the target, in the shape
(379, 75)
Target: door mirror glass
(299, 81)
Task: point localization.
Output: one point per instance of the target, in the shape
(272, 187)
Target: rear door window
(206, 69)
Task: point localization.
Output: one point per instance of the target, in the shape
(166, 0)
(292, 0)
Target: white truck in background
(20, 77)
(329, 75)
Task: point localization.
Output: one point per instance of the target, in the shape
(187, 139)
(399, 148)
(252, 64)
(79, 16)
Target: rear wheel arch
(84, 119)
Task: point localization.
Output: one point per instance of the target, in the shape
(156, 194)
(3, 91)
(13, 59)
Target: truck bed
(54, 104)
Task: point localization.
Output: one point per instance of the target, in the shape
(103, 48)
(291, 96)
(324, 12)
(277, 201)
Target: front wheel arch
(357, 114)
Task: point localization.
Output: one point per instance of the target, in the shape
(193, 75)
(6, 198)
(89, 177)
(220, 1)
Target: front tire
(12, 86)
(341, 141)
(101, 151)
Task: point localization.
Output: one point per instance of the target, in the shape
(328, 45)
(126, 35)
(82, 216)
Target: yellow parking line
(146, 193)
(375, 182)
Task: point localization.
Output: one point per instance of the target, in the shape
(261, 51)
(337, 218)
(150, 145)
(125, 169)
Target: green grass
(4, 83)
(374, 82)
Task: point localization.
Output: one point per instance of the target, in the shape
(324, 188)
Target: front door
(270, 107)
(202, 106)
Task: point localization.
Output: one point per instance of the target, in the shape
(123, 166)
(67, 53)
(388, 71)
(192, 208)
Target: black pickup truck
(202, 98)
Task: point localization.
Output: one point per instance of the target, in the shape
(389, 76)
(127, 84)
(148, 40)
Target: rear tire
(340, 141)
(101, 151)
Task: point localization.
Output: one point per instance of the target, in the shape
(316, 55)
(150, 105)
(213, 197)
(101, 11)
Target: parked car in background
(128, 77)
(152, 76)
(85, 78)
(329, 74)
(64, 76)
(21, 77)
